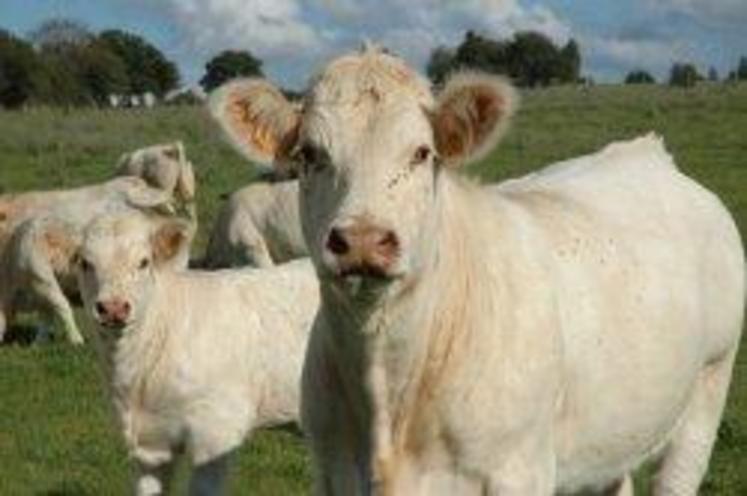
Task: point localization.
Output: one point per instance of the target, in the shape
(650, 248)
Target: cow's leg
(209, 478)
(685, 458)
(154, 479)
(47, 288)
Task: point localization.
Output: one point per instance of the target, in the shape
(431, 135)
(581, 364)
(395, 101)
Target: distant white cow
(163, 166)
(543, 336)
(259, 225)
(37, 230)
(198, 360)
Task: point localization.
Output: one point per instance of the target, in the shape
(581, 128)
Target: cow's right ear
(260, 122)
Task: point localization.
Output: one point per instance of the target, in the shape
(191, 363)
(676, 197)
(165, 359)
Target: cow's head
(368, 143)
(118, 260)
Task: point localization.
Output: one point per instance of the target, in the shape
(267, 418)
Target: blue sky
(294, 37)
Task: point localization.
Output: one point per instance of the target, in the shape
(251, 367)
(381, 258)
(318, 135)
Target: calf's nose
(363, 248)
(115, 311)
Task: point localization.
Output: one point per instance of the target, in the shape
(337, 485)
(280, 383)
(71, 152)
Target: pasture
(57, 436)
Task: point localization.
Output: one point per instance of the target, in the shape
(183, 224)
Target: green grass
(57, 436)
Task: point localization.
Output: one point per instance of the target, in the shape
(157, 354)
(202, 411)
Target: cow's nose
(363, 248)
(114, 311)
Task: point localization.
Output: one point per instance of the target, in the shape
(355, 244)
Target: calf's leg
(209, 478)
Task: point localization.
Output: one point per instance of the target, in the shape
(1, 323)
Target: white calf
(37, 230)
(197, 360)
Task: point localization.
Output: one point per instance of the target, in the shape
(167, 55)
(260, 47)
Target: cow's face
(368, 145)
(117, 263)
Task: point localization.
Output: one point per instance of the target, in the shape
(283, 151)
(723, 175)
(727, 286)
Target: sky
(295, 37)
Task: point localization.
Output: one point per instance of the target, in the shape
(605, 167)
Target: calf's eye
(144, 263)
(422, 154)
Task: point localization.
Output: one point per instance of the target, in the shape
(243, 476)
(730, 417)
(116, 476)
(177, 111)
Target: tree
(712, 74)
(147, 68)
(570, 62)
(684, 75)
(230, 64)
(440, 64)
(533, 59)
(639, 76)
(60, 34)
(101, 71)
(530, 59)
(19, 71)
(741, 72)
(482, 53)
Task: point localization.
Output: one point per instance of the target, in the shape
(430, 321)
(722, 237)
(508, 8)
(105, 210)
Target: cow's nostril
(125, 309)
(100, 308)
(336, 243)
(389, 241)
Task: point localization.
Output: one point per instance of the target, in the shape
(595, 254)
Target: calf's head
(368, 143)
(118, 261)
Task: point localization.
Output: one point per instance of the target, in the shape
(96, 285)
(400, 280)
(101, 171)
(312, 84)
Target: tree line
(63, 63)
(685, 75)
(530, 59)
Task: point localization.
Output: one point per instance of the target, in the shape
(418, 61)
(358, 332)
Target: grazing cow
(544, 335)
(165, 167)
(32, 250)
(258, 225)
(37, 264)
(197, 360)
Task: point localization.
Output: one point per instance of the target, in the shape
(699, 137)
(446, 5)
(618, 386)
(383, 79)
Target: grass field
(57, 436)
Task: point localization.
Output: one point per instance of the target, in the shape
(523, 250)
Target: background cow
(547, 335)
(259, 225)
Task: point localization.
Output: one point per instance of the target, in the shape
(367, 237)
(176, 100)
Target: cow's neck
(399, 348)
(139, 357)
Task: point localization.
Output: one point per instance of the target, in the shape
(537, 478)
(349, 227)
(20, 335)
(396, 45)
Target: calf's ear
(472, 114)
(259, 121)
(170, 241)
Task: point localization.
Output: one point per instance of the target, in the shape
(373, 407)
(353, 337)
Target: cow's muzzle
(363, 249)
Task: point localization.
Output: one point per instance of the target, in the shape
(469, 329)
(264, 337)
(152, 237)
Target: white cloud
(274, 27)
(294, 36)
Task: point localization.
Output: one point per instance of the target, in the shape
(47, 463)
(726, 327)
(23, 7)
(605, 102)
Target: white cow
(197, 360)
(163, 166)
(38, 230)
(543, 336)
(259, 225)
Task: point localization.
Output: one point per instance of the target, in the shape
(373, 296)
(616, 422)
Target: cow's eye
(85, 265)
(311, 159)
(144, 263)
(421, 155)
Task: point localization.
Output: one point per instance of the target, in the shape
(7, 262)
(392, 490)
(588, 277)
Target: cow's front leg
(153, 477)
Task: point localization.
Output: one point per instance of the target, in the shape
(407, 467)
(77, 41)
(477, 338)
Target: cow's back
(649, 273)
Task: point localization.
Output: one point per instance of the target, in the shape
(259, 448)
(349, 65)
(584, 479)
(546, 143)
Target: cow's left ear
(170, 239)
(260, 122)
(472, 114)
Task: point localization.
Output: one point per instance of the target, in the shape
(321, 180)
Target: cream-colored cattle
(544, 335)
(196, 360)
(165, 167)
(37, 232)
(259, 225)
